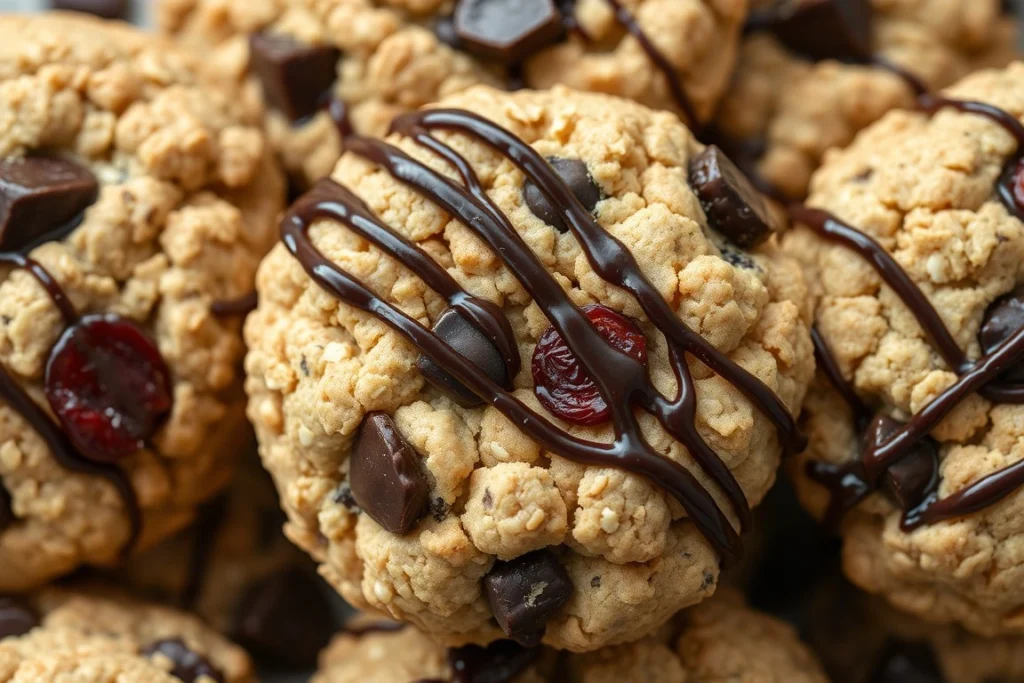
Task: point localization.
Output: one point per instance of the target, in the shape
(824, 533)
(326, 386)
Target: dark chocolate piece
(105, 9)
(444, 29)
(1004, 317)
(295, 76)
(908, 480)
(285, 619)
(187, 664)
(575, 175)
(387, 480)
(499, 662)
(39, 195)
(16, 618)
(733, 205)
(825, 29)
(453, 328)
(525, 593)
(906, 662)
(507, 30)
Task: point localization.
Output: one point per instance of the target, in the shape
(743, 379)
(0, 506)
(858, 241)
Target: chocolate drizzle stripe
(827, 364)
(983, 493)
(43, 277)
(227, 308)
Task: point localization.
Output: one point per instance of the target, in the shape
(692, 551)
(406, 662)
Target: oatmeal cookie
(420, 502)
(383, 57)
(789, 110)
(132, 199)
(940, 537)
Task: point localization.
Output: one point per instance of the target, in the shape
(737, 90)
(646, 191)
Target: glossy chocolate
(40, 195)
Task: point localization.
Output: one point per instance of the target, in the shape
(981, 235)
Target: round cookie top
(383, 57)
(150, 197)
(721, 640)
(792, 99)
(927, 415)
(421, 502)
(97, 637)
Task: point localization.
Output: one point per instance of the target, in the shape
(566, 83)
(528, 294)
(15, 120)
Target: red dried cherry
(108, 385)
(563, 386)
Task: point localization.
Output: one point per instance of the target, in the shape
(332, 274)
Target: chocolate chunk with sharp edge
(906, 662)
(575, 175)
(507, 30)
(39, 195)
(733, 205)
(16, 618)
(387, 480)
(295, 76)
(909, 480)
(525, 593)
(461, 335)
(285, 619)
(499, 662)
(106, 9)
(825, 29)
(1002, 319)
(186, 664)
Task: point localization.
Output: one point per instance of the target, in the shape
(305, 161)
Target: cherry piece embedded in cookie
(108, 386)
(825, 29)
(186, 664)
(563, 385)
(105, 9)
(285, 619)
(295, 76)
(461, 335)
(909, 480)
(387, 480)
(39, 195)
(498, 662)
(525, 593)
(16, 618)
(575, 175)
(906, 662)
(1002, 319)
(733, 205)
(507, 30)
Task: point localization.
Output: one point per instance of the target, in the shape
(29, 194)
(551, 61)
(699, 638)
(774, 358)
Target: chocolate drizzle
(230, 308)
(63, 451)
(622, 380)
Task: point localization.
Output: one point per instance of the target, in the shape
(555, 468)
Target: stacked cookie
(527, 311)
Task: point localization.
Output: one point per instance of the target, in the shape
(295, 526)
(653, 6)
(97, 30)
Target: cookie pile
(581, 340)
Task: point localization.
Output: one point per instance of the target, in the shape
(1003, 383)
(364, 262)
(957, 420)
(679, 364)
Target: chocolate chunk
(525, 593)
(295, 77)
(106, 9)
(733, 205)
(39, 195)
(825, 29)
(285, 619)
(458, 333)
(186, 664)
(499, 662)
(575, 175)
(909, 480)
(444, 29)
(1002, 319)
(507, 30)
(385, 474)
(906, 662)
(16, 618)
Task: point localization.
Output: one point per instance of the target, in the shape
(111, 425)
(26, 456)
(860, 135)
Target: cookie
(98, 637)
(447, 501)
(915, 418)
(236, 570)
(790, 101)
(133, 199)
(378, 58)
(721, 640)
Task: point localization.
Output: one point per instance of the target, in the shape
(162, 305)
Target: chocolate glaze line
(63, 451)
(827, 364)
(230, 308)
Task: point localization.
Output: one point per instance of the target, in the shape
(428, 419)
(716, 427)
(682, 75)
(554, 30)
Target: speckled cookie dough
(180, 203)
(924, 188)
(396, 55)
(318, 370)
(98, 637)
(793, 109)
(721, 640)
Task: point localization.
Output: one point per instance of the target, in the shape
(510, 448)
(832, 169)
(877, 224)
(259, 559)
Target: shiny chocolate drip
(621, 379)
(231, 308)
(63, 451)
